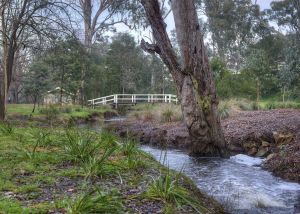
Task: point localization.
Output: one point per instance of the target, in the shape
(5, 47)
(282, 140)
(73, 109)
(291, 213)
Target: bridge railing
(133, 98)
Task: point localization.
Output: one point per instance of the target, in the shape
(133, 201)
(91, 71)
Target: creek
(239, 183)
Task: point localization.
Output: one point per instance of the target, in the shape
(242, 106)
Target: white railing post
(170, 98)
(93, 103)
(148, 98)
(134, 98)
(165, 97)
(104, 100)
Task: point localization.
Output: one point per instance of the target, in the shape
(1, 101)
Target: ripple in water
(238, 183)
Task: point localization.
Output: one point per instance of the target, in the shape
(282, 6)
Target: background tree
(98, 17)
(232, 26)
(258, 66)
(67, 59)
(37, 82)
(20, 22)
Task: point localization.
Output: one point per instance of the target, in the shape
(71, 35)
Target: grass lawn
(63, 112)
(23, 109)
(44, 170)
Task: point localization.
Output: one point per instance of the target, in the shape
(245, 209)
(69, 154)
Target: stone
(252, 151)
(249, 145)
(262, 152)
(265, 143)
(270, 156)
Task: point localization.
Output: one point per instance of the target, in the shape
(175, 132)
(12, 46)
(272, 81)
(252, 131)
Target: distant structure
(58, 95)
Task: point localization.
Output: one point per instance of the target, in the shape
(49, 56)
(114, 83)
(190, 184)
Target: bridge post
(148, 98)
(170, 98)
(93, 103)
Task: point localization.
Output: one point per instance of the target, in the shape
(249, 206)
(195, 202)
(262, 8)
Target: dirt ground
(274, 134)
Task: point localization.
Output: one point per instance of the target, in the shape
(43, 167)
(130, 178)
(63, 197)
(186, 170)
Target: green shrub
(255, 106)
(77, 109)
(281, 105)
(51, 113)
(65, 109)
(270, 105)
(94, 202)
(246, 106)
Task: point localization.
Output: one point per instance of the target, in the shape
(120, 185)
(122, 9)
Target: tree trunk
(283, 94)
(34, 105)
(8, 60)
(257, 90)
(3, 96)
(193, 77)
(87, 7)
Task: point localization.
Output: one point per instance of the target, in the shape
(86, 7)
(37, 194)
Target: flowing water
(238, 183)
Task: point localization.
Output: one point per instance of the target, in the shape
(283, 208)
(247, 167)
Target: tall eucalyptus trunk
(192, 74)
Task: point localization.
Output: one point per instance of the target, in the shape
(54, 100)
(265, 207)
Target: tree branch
(150, 48)
(162, 39)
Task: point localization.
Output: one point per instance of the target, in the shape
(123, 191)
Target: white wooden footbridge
(127, 99)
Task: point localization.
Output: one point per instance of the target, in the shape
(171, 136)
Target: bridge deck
(125, 99)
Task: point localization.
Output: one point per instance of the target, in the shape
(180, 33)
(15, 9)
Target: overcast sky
(264, 4)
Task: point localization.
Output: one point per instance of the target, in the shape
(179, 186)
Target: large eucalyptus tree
(192, 74)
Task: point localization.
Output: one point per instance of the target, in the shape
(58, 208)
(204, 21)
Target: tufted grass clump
(6, 129)
(96, 166)
(224, 110)
(166, 188)
(132, 154)
(167, 115)
(282, 105)
(161, 113)
(79, 146)
(95, 201)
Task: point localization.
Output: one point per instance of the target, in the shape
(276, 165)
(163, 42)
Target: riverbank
(56, 170)
(273, 134)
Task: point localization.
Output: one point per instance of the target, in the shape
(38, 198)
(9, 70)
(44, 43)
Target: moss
(205, 103)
